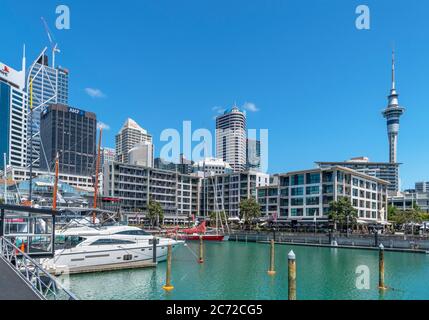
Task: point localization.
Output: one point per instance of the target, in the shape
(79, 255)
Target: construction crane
(54, 45)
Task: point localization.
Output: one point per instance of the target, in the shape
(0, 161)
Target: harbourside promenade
(372, 241)
(12, 286)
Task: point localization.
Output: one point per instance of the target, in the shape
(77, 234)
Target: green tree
(212, 217)
(249, 210)
(155, 213)
(342, 213)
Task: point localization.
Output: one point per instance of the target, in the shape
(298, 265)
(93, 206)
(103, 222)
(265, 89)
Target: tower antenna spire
(393, 70)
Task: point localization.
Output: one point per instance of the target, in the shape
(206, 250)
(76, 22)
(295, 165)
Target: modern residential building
(13, 115)
(212, 166)
(231, 138)
(70, 133)
(135, 185)
(392, 114)
(382, 170)
(141, 154)
(50, 85)
(422, 187)
(107, 155)
(306, 195)
(253, 154)
(409, 199)
(129, 135)
(225, 192)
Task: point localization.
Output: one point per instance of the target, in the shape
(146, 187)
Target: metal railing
(42, 283)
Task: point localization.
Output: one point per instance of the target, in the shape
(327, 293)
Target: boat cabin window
(134, 233)
(101, 242)
(65, 242)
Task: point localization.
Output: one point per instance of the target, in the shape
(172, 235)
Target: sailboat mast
(54, 196)
(97, 169)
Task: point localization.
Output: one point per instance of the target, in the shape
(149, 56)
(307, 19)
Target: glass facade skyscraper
(50, 86)
(13, 116)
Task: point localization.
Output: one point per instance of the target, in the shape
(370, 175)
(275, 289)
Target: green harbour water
(238, 270)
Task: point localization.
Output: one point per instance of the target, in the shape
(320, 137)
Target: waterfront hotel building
(306, 195)
(135, 185)
(13, 115)
(224, 192)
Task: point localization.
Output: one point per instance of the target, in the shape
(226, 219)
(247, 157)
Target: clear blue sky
(318, 82)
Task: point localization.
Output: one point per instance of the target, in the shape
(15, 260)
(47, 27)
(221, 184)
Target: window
(134, 233)
(313, 178)
(101, 242)
(128, 257)
(328, 189)
(297, 201)
(311, 201)
(297, 191)
(312, 190)
(311, 212)
(296, 212)
(297, 179)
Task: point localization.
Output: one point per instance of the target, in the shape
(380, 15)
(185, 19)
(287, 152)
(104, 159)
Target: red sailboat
(199, 231)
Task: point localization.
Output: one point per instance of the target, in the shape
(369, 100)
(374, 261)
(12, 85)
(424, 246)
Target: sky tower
(392, 114)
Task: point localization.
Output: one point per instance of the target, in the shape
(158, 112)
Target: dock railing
(42, 283)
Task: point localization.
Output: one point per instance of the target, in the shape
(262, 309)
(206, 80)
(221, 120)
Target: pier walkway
(12, 286)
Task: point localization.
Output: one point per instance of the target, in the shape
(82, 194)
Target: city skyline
(301, 133)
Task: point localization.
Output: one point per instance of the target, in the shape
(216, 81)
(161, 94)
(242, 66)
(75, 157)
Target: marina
(238, 270)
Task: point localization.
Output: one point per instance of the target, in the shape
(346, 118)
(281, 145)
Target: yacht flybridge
(91, 248)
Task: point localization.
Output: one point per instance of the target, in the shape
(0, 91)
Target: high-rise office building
(13, 115)
(231, 138)
(49, 86)
(71, 133)
(392, 114)
(253, 154)
(129, 135)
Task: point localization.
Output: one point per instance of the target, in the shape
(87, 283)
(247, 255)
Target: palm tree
(155, 213)
(249, 210)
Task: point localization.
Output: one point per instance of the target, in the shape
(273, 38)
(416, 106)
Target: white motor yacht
(89, 249)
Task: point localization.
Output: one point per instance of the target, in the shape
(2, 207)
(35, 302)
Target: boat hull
(207, 237)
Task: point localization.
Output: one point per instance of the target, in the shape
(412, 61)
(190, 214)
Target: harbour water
(238, 270)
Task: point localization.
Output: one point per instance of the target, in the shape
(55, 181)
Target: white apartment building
(129, 135)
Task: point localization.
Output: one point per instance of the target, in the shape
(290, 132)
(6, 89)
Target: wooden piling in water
(154, 249)
(272, 271)
(381, 284)
(168, 286)
(291, 276)
(201, 259)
